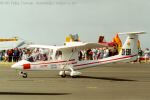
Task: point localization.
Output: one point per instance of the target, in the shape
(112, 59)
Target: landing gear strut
(73, 74)
(62, 74)
(23, 74)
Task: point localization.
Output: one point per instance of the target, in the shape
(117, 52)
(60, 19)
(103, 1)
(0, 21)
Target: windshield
(37, 54)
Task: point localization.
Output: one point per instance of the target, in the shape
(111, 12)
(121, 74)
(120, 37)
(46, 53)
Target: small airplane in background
(9, 43)
(65, 58)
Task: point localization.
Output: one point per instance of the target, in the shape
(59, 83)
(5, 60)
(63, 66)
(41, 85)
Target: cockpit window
(38, 54)
(58, 55)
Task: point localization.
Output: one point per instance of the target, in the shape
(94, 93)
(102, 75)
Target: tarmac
(118, 81)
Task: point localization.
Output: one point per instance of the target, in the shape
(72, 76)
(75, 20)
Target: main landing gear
(73, 74)
(70, 72)
(62, 74)
(23, 74)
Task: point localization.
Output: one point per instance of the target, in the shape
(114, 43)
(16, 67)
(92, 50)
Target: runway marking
(29, 93)
(92, 87)
(117, 71)
(5, 70)
(21, 80)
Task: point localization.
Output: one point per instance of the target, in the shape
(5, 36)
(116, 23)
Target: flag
(117, 40)
(101, 39)
(138, 44)
(68, 39)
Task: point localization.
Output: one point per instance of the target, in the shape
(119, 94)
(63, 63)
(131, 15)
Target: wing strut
(69, 65)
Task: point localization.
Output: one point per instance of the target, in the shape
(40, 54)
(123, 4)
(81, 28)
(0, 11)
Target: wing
(81, 46)
(72, 45)
(42, 46)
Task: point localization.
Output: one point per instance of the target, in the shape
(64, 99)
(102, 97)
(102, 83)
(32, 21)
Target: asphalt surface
(123, 81)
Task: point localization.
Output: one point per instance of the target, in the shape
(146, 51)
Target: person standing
(16, 55)
(106, 53)
(10, 55)
(147, 53)
(140, 53)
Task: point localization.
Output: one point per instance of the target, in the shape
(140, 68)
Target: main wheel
(74, 76)
(63, 76)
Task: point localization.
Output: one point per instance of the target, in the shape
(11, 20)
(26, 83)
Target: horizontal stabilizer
(131, 33)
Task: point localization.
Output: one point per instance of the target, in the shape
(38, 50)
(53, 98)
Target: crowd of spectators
(14, 55)
(17, 54)
(98, 53)
(143, 54)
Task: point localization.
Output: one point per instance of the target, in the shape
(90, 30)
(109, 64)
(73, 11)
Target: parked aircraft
(65, 58)
(9, 43)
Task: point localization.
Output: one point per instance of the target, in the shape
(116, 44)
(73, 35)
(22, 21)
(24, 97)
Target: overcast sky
(50, 21)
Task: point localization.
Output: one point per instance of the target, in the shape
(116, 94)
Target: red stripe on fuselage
(105, 61)
(54, 62)
(85, 63)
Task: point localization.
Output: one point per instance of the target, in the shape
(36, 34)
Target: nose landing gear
(23, 74)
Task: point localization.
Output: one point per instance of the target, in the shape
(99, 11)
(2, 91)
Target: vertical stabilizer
(130, 46)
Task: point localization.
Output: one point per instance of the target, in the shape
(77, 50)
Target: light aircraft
(65, 58)
(9, 43)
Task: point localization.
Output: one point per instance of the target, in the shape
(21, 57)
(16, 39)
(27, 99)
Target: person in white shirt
(106, 53)
(94, 54)
(147, 54)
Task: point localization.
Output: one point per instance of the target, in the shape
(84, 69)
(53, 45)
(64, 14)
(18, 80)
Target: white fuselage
(66, 58)
(65, 65)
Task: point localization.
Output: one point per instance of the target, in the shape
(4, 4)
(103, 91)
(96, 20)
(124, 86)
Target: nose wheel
(23, 74)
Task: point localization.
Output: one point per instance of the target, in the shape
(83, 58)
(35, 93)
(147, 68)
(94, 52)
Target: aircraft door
(58, 55)
(50, 55)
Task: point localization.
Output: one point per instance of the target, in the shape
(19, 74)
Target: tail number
(126, 51)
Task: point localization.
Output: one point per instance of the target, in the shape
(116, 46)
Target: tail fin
(130, 46)
(101, 39)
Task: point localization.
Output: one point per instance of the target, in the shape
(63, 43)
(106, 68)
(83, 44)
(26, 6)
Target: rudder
(130, 46)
